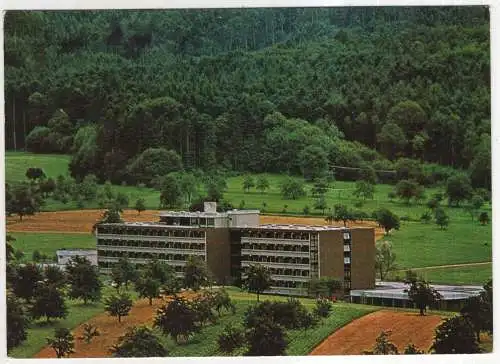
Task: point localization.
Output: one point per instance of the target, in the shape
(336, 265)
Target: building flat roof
(296, 227)
(67, 252)
(396, 290)
(206, 214)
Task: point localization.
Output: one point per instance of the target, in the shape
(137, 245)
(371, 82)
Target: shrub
(323, 307)
(230, 339)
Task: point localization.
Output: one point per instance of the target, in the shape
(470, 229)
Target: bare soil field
(81, 221)
(360, 335)
(110, 330)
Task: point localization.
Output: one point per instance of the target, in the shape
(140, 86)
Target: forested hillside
(258, 90)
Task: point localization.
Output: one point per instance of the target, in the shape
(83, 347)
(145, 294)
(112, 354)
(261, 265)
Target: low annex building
(231, 241)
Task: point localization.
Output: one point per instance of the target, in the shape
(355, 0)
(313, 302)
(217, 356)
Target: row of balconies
(142, 260)
(151, 238)
(275, 253)
(275, 265)
(282, 277)
(274, 241)
(152, 250)
(144, 255)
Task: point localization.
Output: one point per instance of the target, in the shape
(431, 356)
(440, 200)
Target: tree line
(257, 90)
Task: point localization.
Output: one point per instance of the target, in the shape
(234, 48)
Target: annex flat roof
(206, 214)
(296, 227)
(396, 290)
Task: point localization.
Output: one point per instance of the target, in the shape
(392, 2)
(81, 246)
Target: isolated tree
(24, 200)
(458, 188)
(323, 307)
(121, 200)
(455, 336)
(118, 306)
(320, 204)
(28, 277)
(177, 319)
(54, 275)
(385, 258)
(89, 332)
(484, 219)
(292, 189)
(387, 219)
(83, 279)
(139, 342)
(479, 311)
(475, 203)
(215, 186)
(230, 339)
(17, 322)
(35, 173)
(124, 272)
(170, 193)
(364, 190)
(441, 217)
(248, 183)
(258, 279)
(140, 205)
(63, 342)
(266, 339)
(159, 271)
(383, 346)
(412, 349)
(195, 274)
(48, 302)
(407, 189)
(262, 184)
(221, 300)
(148, 287)
(423, 295)
(320, 187)
(342, 213)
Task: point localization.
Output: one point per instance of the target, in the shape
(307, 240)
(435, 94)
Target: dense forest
(252, 90)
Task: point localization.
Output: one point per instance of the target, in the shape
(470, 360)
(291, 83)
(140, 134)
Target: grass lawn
(39, 330)
(16, 164)
(301, 342)
(475, 275)
(422, 245)
(49, 243)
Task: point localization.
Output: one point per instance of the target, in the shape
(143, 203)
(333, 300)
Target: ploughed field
(360, 335)
(82, 221)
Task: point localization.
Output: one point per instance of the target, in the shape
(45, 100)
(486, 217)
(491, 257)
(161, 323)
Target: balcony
(151, 249)
(150, 238)
(248, 263)
(248, 240)
(275, 253)
(347, 248)
(347, 260)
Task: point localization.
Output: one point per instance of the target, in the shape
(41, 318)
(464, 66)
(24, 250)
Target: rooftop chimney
(210, 206)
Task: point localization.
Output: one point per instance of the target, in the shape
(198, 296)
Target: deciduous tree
(455, 336)
(139, 342)
(62, 343)
(118, 306)
(385, 258)
(83, 279)
(258, 279)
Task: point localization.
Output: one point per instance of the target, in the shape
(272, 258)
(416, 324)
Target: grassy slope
(16, 164)
(475, 275)
(49, 243)
(38, 331)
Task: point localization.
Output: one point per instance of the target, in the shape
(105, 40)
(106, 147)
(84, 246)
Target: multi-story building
(230, 242)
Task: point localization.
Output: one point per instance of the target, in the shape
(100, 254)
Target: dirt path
(110, 330)
(81, 221)
(360, 335)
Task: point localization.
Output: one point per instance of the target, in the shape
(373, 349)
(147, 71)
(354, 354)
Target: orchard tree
(364, 190)
(441, 217)
(383, 346)
(341, 213)
(89, 332)
(25, 200)
(35, 173)
(48, 302)
(124, 272)
(262, 184)
(320, 204)
(230, 339)
(455, 336)
(248, 183)
(385, 258)
(484, 219)
(139, 342)
(148, 287)
(458, 188)
(267, 338)
(258, 279)
(408, 189)
(196, 273)
(17, 322)
(63, 342)
(292, 189)
(320, 187)
(479, 310)
(28, 277)
(159, 271)
(140, 205)
(423, 295)
(118, 306)
(387, 219)
(475, 203)
(177, 319)
(83, 279)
